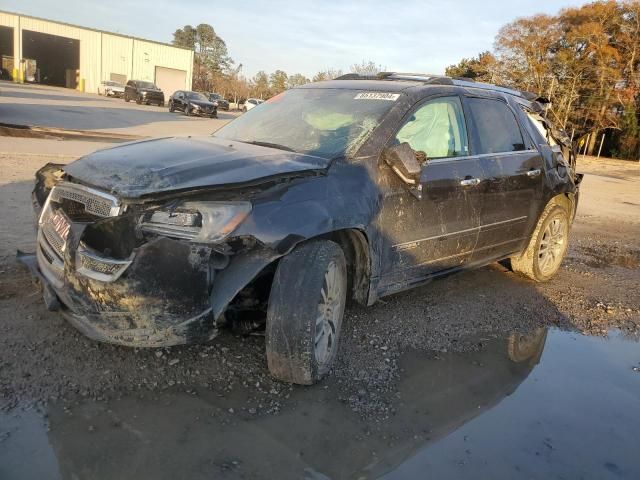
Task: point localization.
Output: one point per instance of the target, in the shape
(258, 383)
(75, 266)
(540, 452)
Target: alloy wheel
(329, 315)
(552, 245)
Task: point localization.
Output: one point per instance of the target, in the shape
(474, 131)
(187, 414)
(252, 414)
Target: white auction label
(392, 97)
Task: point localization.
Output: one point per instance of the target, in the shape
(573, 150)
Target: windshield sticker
(392, 97)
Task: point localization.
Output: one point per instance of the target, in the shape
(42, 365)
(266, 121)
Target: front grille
(52, 237)
(95, 202)
(92, 265)
(80, 204)
(99, 266)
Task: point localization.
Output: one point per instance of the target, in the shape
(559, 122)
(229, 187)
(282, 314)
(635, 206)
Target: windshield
(323, 122)
(214, 96)
(146, 85)
(196, 96)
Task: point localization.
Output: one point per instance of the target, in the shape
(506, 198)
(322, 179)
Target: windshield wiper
(272, 145)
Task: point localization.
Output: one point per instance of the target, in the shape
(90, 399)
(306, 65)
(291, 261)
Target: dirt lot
(42, 358)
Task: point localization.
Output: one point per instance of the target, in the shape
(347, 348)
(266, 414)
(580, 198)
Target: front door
(438, 231)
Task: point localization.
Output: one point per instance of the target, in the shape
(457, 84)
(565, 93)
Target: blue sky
(307, 36)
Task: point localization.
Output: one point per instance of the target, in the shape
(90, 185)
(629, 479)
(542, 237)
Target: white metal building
(54, 53)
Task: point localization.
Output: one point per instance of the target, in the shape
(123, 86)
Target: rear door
(512, 166)
(438, 231)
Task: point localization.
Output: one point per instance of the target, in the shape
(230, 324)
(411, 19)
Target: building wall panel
(116, 56)
(102, 53)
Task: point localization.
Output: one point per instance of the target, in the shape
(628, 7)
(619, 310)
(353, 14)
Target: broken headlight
(205, 222)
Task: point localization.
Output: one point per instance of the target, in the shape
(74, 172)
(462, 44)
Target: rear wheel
(304, 316)
(547, 246)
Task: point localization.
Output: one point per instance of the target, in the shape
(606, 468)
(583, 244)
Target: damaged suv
(354, 188)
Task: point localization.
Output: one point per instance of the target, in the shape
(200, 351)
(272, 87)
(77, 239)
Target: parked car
(143, 92)
(220, 102)
(250, 103)
(110, 89)
(351, 188)
(192, 103)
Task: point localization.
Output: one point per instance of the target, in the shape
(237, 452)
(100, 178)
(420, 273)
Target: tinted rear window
(496, 126)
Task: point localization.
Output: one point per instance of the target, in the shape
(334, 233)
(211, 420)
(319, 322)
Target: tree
(483, 68)
(296, 80)
(211, 58)
(260, 87)
(586, 60)
(328, 74)
(278, 82)
(367, 68)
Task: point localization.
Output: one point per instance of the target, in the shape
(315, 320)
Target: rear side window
(437, 128)
(496, 126)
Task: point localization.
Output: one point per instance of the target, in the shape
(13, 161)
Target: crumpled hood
(170, 164)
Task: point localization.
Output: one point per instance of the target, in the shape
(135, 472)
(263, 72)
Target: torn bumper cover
(140, 290)
(162, 300)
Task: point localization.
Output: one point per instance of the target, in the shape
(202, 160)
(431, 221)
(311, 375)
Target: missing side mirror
(402, 160)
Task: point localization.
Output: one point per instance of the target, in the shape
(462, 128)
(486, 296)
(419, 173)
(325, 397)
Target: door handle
(533, 173)
(469, 182)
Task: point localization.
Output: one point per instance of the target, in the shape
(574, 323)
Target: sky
(308, 36)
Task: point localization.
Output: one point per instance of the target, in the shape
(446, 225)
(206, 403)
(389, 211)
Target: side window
(496, 126)
(436, 128)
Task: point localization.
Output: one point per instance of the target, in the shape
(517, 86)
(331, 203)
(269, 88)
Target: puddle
(550, 404)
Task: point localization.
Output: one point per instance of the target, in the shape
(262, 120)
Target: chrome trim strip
(517, 219)
(467, 252)
(479, 155)
(481, 227)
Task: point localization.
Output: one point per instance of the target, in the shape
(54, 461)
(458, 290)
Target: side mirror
(402, 160)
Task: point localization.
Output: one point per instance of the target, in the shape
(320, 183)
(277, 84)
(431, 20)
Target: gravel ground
(43, 359)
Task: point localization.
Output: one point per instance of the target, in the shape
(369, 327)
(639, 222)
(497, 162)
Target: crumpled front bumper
(161, 300)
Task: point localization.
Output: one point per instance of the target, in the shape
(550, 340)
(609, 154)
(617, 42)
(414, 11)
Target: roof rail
(438, 80)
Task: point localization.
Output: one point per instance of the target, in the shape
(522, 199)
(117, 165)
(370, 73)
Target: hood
(201, 103)
(164, 165)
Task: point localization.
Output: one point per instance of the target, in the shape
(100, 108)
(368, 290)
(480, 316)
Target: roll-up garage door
(169, 80)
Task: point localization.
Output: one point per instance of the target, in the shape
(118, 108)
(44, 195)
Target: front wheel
(171, 107)
(139, 100)
(547, 246)
(304, 316)
(126, 99)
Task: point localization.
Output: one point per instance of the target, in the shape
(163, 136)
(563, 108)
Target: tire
(171, 108)
(187, 111)
(547, 246)
(244, 109)
(139, 100)
(161, 104)
(126, 99)
(303, 328)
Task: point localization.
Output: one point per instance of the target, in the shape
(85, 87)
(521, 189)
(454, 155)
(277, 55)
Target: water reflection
(176, 435)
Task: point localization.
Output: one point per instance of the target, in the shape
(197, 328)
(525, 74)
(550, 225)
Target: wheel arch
(357, 252)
